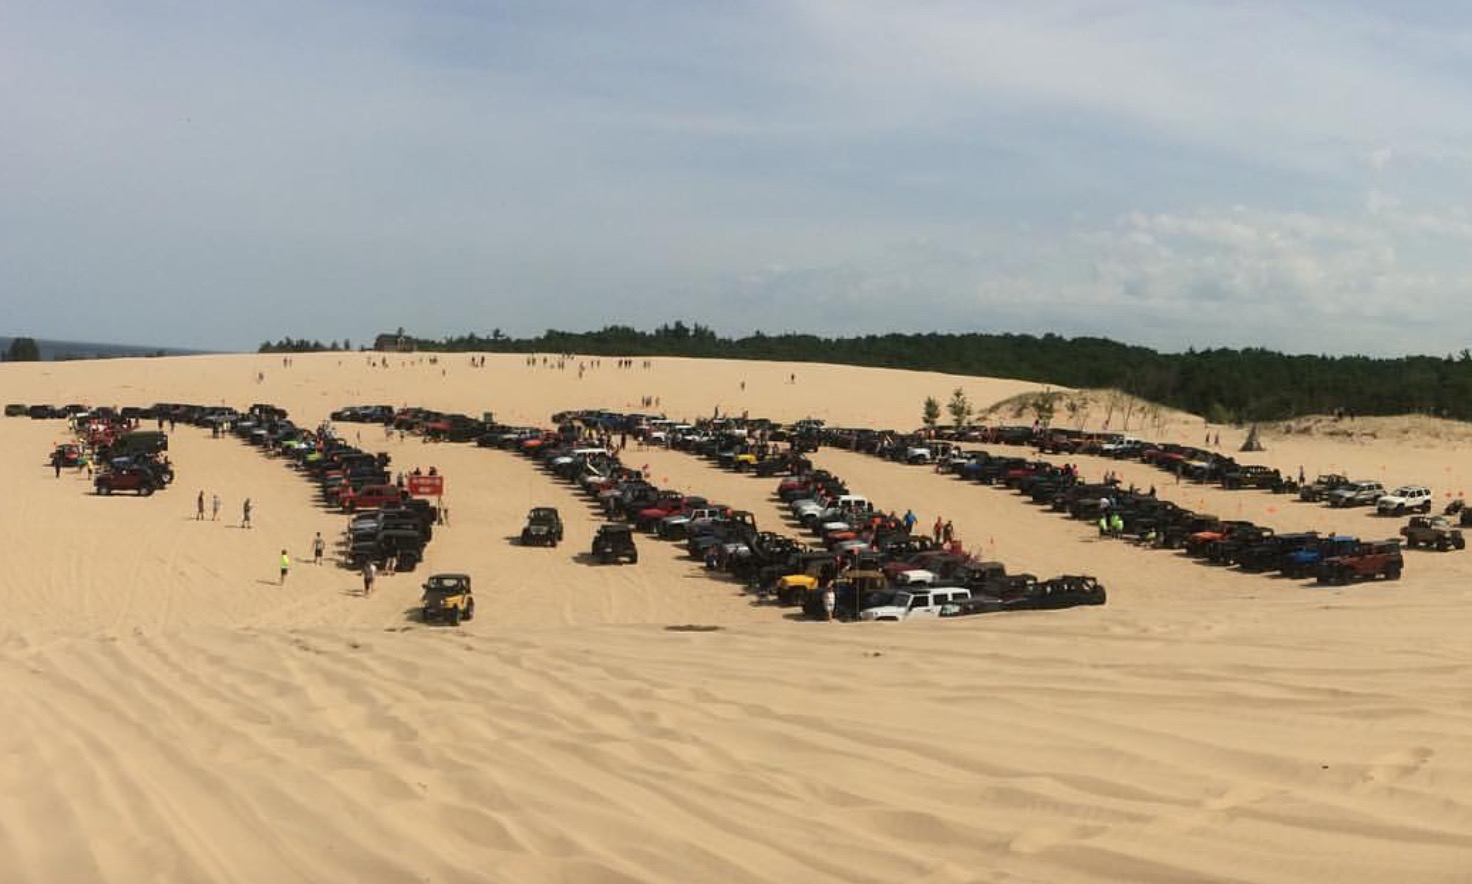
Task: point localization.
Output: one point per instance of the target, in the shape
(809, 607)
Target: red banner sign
(426, 486)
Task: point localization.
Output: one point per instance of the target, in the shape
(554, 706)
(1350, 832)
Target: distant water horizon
(55, 351)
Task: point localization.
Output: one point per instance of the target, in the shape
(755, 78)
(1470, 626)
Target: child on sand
(285, 566)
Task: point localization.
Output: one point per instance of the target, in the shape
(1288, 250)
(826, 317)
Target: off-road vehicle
(1305, 561)
(1405, 499)
(1364, 493)
(1432, 531)
(1319, 488)
(1380, 558)
(447, 597)
(138, 479)
(543, 527)
(614, 542)
(1252, 476)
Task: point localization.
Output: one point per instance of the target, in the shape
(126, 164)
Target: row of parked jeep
(1146, 519)
(874, 576)
(387, 523)
(877, 567)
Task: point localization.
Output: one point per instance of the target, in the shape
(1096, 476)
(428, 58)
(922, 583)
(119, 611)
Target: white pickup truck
(919, 602)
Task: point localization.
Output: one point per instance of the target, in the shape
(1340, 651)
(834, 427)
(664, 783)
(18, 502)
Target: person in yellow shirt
(285, 566)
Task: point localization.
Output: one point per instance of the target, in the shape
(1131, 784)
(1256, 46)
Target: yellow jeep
(447, 597)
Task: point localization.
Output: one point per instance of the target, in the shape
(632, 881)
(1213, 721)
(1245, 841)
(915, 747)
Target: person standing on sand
(245, 514)
(830, 601)
(199, 507)
(370, 571)
(215, 508)
(938, 527)
(285, 566)
(318, 547)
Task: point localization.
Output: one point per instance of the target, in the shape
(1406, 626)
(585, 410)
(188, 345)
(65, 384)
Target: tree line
(303, 345)
(1224, 385)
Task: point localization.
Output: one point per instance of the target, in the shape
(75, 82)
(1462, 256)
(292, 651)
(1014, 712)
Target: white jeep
(919, 603)
(1405, 499)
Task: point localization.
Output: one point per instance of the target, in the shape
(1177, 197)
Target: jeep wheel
(1392, 573)
(1400, 509)
(145, 490)
(470, 610)
(633, 558)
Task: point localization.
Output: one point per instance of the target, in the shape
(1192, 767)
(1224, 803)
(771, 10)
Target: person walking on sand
(318, 547)
(370, 572)
(199, 507)
(937, 528)
(245, 514)
(830, 601)
(215, 508)
(285, 566)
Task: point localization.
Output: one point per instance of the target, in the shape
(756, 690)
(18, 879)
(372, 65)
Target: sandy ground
(172, 714)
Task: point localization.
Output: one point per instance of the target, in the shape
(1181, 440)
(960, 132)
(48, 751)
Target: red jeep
(128, 479)
(1380, 558)
(371, 497)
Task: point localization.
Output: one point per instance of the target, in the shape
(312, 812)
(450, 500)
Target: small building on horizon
(394, 342)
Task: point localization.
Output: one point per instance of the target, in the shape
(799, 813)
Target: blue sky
(1175, 174)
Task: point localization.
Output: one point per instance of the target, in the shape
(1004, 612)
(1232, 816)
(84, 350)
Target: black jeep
(543, 527)
(614, 542)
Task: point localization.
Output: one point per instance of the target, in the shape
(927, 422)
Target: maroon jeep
(136, 479)
(1380, 558)
(669, 505)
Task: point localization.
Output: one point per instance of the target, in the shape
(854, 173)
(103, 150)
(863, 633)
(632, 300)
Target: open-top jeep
(447, 597)
(1252, 476)
(1380, 558)
(614, 542)
(1432, 531)
(543, 527)
(1319, 488)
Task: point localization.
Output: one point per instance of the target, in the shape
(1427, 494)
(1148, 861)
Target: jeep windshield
(445, 584)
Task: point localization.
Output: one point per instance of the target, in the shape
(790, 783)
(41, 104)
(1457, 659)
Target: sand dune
(172, 714)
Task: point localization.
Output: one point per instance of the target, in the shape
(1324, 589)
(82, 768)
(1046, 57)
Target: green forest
(1224, 385)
